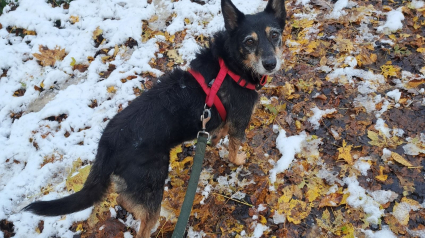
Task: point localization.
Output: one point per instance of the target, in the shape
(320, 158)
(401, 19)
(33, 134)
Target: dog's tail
(94, 189)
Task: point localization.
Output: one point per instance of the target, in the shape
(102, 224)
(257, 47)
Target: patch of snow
(417, 4)
(317, 115)
(259, 230)
(128, 234)
(362, 166)
(386, 153)
(261, 207)
(412, 148)
(381, 126)
(385, 232)
(238, 195)
(195, 234)
(303, 2)
(288, 147)
(279, 218)
(394, 94)
(337, 10)
(403, 209)
(358, 198)
(393, 23)
(383, 196)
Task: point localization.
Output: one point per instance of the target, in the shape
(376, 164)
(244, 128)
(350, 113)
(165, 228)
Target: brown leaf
(49, 57)
(331, 200)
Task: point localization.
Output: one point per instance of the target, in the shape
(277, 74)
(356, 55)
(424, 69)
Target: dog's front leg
(236, 137)
(236, 157)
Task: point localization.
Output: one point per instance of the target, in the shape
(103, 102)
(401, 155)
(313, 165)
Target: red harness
(212, 98)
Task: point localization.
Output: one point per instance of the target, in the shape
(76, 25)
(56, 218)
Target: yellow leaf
(73, 61)
(111, 89)
(187, 21)
(263, 220)
(303, 23)
(79, 227)
(297, 211)
(348, 231)
(381, 140)
(400, 159)
(97, 33)
(76, 182)
(42, 84)
(392, 37)
(421, 50)
(74, 19)
(345, 153)
(381, 176)
(390, 70)
(323, 61)
(312, 193)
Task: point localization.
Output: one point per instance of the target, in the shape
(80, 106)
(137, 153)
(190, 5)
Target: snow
(358, 198)
(317, 115)
(412, 148)
(279, 218)
(288, 147)
(383, 196)
(393, 23)
(362, 166)
(385, 232)
(303, 2)
(337, 10)
(381, 126)
(394, 94)
(417, 4)
(195, 234)
(259, 230)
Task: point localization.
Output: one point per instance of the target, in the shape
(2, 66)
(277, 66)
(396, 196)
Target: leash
(201, 145)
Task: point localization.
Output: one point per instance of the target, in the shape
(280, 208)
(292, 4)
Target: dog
(134, 148)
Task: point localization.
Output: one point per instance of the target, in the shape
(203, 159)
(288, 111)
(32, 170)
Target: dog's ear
(277, 8)
(232, 16)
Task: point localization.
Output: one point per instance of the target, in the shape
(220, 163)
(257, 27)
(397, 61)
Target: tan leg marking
(235, 157)
(147, 220)
(220, 135)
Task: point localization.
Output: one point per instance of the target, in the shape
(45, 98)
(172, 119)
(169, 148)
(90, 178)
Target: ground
(336, 146)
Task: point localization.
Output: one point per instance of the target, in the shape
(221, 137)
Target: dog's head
(256, 40)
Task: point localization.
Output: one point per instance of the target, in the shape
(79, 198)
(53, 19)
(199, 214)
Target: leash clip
(205, 117)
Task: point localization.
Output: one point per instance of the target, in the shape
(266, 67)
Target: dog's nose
(269, 63)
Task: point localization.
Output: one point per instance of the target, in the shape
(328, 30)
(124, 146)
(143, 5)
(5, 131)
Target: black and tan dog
(134, 149)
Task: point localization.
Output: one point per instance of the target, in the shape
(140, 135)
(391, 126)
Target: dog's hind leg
(147, 218)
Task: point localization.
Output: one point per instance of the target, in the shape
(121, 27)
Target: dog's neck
(208, 59)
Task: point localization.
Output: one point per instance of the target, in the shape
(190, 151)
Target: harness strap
(215, 99)
(212, 98)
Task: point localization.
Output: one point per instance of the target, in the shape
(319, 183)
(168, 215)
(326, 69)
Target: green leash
(201, 145)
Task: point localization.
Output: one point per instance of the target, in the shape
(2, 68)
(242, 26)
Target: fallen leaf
(400, 159)
(381, 177)
(345, 153)
(49, 57)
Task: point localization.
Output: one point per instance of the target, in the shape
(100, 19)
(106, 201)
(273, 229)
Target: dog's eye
(275, 35)
(249, 42)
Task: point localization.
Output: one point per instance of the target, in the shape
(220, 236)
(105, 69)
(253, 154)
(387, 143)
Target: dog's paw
(240, 159)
